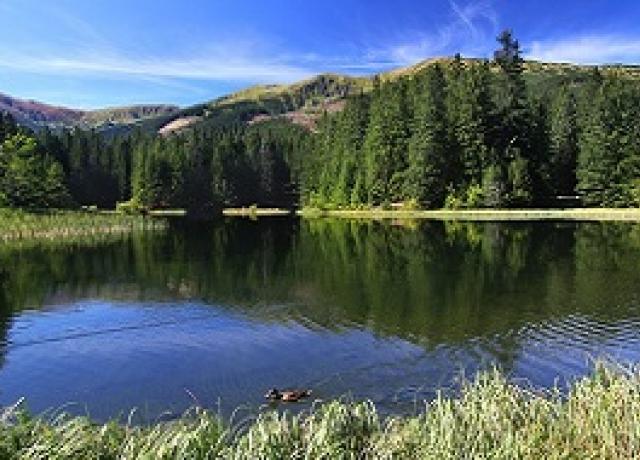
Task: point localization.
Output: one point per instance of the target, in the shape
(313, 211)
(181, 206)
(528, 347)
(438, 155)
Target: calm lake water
(219, 313)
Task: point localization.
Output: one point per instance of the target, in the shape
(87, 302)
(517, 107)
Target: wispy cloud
(471, 27)
(80, 49)
(592, 49)
(203, 67)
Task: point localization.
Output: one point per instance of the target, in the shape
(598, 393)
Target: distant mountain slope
(304, 102)
(128, 114)
(32, 113)
(36, 115)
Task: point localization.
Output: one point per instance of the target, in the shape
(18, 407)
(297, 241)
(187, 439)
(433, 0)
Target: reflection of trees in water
(5, 316)
(607, 260)
(433, 282)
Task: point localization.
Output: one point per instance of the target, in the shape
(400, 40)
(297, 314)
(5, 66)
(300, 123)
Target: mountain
(32, 113)
(36, 115)
(303, 103)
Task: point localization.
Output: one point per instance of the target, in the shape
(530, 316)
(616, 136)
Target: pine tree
(56, 193)
(609, 164)
(512, 140)
(473, 123)
(563, 142)
(385, 145)
(425, 176)
(30, 178)
(8, 126)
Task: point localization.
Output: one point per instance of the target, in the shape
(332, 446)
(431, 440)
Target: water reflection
(384, 310)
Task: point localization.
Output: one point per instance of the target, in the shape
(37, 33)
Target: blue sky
(97, 53)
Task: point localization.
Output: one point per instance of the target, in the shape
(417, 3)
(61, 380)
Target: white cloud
(592, 49)
(471, 28)
(85, 52)
(81, 50)
(203, 67)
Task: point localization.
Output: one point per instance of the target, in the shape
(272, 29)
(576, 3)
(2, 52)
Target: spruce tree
(563, 142)
(512, 144)
(473, 124)
(425, 175)
(608, 165)
(30, 178)
(385, 144)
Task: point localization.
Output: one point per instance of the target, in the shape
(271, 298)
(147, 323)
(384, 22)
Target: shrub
(133, 206)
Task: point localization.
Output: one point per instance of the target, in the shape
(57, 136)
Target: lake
(217, 313)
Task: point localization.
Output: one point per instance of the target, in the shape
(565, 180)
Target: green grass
(599, 417)
(168, 212)
(50, 225)
(254, 211)
(584, 214)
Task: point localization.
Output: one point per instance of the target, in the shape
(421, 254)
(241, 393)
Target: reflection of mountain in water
(432, 283)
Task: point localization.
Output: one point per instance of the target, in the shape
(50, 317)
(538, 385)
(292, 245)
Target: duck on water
(287, 395)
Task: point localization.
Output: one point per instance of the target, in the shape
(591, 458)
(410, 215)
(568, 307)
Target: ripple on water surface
(159, 356)
(222, 312)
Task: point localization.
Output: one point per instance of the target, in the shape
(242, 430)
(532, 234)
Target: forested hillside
(458, 133)
(484, 134)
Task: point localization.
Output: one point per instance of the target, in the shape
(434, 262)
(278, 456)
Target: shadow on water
(381, 310)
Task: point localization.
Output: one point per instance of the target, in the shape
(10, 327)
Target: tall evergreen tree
(426, 172)
(473, 123)
(512, 144)
(609, 162)
(385, 144)
(563, 142)
(29, 178)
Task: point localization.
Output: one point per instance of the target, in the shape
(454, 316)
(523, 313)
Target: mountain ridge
(304, 102)
(36, 115)
(300, 102)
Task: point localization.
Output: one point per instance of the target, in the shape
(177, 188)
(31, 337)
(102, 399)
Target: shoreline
(486, 215)
(489, 417)
(21, 225)
(256, 212)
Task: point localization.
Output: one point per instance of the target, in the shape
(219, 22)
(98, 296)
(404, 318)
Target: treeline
(202, 169)
(474, 134)
(217, 167)
(460, 134)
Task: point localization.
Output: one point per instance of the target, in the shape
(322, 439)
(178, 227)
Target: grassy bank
(255, 212)
(22, 225)
(586, 214)
(599, 417)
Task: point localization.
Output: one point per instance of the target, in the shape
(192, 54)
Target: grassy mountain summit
(301, 103)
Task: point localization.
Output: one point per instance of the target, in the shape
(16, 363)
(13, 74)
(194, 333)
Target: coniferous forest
(456, 133)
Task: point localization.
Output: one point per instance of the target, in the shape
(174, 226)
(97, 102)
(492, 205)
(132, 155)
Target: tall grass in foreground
(18, 225)
(491, 418)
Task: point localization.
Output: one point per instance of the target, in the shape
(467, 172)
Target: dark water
(218, 313)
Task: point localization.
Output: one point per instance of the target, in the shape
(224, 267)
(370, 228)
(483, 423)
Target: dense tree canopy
(29, 177)
(469, 133)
